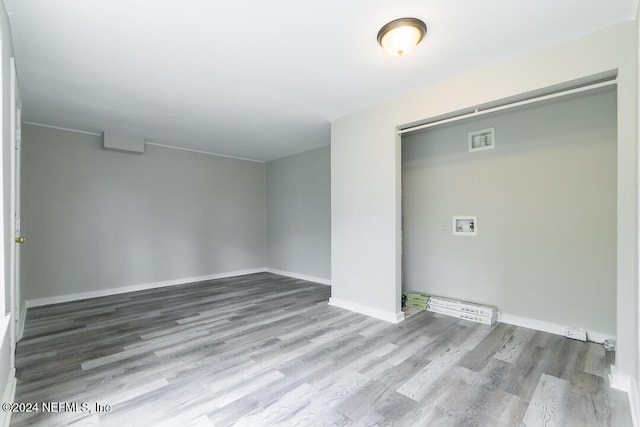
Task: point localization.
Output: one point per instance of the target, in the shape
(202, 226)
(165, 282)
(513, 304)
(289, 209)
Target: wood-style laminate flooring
(262, 350)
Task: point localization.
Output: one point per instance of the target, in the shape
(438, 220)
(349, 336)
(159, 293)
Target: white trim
(634, 10)
(479, 111)
(15, 144)
(634, 402)
(8, 396)
(10, 388)
(619, 381)
(42, 125)
(146, 142)
(141, 287)
(553, 328)
(299, 276)
(629, 385)
(173, 147)
(21, 322)
(4, 326)
(366, 310)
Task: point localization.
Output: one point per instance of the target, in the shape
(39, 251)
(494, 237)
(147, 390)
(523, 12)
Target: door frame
(14, 213)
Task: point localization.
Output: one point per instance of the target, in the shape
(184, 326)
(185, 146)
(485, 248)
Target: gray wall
(299, 213)
(545, 199)
(99, 220)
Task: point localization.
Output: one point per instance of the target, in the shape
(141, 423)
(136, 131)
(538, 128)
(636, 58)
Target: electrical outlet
(576, 334)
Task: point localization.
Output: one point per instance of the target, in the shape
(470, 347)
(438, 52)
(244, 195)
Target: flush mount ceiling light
(400, 36)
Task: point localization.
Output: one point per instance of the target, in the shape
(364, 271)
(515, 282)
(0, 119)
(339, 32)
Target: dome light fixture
(400, 36)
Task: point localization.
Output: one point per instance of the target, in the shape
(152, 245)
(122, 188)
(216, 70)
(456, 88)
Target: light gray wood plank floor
(262, 350)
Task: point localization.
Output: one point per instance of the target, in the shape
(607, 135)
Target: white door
(16, 237)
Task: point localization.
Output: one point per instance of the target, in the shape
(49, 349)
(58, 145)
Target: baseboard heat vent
(463, 310)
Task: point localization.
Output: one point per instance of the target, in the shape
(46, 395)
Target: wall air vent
(484, 139)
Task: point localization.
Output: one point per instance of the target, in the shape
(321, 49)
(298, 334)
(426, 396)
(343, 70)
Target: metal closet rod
(479, 112)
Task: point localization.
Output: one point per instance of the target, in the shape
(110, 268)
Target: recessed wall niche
(465, 226)
(537, 197)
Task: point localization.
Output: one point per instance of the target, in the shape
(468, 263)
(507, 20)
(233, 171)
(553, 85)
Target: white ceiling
(259, 79)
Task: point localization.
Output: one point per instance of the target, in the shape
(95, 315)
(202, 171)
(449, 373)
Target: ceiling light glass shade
(400, 36)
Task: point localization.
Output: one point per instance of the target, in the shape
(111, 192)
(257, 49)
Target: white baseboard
(141, 287)
(619, 381)
(300, 276)
(634, 402)
(553, 328)
(366, 310)
(21, 321)
(8, 396)
(629, 385)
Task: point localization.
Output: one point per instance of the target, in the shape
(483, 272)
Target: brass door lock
(20, 239)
